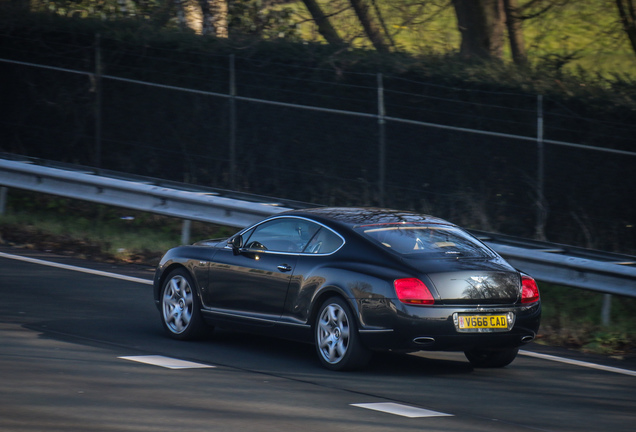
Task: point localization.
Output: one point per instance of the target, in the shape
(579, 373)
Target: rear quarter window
(324, 242)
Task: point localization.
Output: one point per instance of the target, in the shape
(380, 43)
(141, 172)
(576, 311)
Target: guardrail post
(3, 200)
(185, 231)
(606, 310)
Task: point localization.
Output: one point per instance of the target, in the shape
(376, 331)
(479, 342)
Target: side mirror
(236, 243)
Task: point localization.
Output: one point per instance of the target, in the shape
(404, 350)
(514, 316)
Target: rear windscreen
(433, 240)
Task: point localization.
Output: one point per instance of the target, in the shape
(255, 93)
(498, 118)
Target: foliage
(572, 318)
(261, 18)
(611, 341)
(571, 36)
(106, 10)
(585, 35)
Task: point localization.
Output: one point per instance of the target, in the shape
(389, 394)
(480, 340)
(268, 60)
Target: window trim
(293, 253)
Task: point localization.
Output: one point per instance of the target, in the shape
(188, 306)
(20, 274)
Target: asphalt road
(67, 338)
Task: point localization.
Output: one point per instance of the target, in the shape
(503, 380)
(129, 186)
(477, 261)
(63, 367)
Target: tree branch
(627, 13)
(325, 28)
(362, 12)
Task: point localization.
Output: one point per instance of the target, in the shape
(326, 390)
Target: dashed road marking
(401, 410)
(166, 362)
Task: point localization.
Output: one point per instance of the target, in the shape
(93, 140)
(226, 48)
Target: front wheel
(180, 310)
(491, 358)
(337, 340)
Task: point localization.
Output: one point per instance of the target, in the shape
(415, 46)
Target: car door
(253, 283)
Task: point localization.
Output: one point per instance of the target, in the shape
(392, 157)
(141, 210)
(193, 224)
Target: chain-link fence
(516, 163)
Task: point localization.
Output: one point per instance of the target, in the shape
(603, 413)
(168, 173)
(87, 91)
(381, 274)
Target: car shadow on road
(274, 353)
(235, 349)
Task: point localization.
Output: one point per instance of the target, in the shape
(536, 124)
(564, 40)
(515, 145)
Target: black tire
(336, 337)
(181, 308)
(491, 358)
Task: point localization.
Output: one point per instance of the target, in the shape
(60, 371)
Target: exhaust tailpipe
(424, 340)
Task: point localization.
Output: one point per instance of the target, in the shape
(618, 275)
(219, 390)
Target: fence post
(540, 203)
(381, 142)
(98, 101)
(233, 185)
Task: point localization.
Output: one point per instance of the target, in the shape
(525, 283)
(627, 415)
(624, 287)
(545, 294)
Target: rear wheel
(337, 340)
(180, 307)
(491, 358)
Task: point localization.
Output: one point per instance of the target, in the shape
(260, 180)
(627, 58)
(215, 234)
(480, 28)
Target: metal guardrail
(136, 194)
(604, 272)
(607, 272)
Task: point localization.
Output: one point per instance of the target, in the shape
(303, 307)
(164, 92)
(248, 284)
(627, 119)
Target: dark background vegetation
(478, 181)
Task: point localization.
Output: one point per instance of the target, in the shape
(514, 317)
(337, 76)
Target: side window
(281, 235)
(324, 242)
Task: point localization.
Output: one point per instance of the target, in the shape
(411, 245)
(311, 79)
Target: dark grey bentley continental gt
(353, 281)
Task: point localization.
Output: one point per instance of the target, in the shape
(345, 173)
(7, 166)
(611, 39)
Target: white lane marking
(166, 362)
(77, 269)
(401, 410)
(578, 363)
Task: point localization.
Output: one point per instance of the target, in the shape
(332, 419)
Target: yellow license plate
(483, 322)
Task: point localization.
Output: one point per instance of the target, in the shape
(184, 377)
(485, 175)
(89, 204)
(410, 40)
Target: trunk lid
(472, 287)
(470, 281)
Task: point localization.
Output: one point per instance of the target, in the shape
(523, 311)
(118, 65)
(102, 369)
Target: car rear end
(456, 293)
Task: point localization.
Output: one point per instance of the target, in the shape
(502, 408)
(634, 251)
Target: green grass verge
(94, 231)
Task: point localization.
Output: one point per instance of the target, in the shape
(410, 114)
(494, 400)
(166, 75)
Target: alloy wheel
(333, 333)
(177, 304)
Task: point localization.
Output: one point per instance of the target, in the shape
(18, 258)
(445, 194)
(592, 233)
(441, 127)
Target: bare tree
(481, 24)
(189, 15)
(515, 32)
(382, 22)
(371, 29)
(214, 17)
(181, 17)
(325, 28)
(627, 12)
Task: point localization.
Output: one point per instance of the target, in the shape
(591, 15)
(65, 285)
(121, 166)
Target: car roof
(355, 216)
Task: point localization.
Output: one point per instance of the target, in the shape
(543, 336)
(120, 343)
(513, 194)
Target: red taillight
(529, 290)
(413, 291)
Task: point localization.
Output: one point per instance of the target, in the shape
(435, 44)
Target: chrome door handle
(284, 267)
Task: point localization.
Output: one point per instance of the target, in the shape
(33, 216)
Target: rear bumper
(433, 329)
